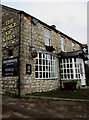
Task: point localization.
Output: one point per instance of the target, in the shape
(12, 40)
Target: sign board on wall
(10, 67)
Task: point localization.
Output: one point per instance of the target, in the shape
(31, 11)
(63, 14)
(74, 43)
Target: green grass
(78, 94)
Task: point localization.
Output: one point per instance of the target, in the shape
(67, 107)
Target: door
(82, 73)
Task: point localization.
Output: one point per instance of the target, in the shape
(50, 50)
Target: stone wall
(10, 38)
(28, 82)
(31, 36)
(68, 46)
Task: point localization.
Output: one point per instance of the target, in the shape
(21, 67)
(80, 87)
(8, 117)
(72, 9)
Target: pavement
(44, 108)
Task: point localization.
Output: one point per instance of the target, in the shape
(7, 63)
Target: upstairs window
(73, 46)
(46, 37)
(62, 44)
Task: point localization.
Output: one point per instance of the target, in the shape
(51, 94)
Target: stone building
(37, 57)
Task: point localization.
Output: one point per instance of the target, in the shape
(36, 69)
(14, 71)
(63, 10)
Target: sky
(69, 16)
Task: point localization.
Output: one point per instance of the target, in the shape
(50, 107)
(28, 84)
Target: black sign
(10, 67)
(28, 68)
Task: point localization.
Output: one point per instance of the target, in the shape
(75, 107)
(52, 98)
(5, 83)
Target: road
(44, 108)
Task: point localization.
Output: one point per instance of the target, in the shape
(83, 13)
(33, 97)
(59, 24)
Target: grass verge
(77, 94)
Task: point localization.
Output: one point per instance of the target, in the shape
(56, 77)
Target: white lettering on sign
(9, 69)
(9, 61)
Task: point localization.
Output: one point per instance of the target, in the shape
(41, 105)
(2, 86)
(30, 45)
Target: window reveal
(46, 66)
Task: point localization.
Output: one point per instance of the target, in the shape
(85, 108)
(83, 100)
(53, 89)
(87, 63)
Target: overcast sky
(70, 17)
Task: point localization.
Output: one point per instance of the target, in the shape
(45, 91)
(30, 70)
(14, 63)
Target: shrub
(87, 82)
(70, 85)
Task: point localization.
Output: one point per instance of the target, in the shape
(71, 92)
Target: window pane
(67, 65)
(61, 76)
(62, 43)
(43, 68)
(70, 60)
(65, 75)
(46, 75)
(69, 76)
(43, 74)
(46, 62)
(40, 61)
(72, 76)
(46, 68)
(62, 47)
(71, 65)
(71, 70)
(74, 59)
(61, 66)
(43, 62)
(40, 75)
(61, 70)
(36, 61)
(36, 68)
(46, 41)
(64, 70)
(68, 70)
(36, 74)
(67, 61)
(46, 32)
(40, 55)
(40, 68)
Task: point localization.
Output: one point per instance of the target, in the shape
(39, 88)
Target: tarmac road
(44, 109)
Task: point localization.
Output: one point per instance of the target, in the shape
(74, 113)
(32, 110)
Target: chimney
(53, 26)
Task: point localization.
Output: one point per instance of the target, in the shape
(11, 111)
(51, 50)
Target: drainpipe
(19, 55)
(60, 72)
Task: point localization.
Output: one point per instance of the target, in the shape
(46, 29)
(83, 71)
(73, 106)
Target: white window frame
(47, 36)
(62, 43)
(70, 69)
(46, 65)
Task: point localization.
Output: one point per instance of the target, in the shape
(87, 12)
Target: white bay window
(70, 68)
(46, 66)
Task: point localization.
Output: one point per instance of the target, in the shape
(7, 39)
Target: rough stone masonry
(19, 35)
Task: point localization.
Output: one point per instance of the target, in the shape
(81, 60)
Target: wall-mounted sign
(28, 68)
(10, 67)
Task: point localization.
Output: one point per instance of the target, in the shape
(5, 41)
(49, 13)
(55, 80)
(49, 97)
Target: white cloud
(69, 17)
(44, 0)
